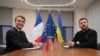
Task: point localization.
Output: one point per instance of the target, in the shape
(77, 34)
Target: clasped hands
(70, 43)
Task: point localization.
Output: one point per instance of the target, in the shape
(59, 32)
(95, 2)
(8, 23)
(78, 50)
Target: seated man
(86, 37)
(16, 38)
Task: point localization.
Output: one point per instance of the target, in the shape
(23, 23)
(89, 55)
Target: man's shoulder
(12, 30)
(92, 30)
(79, 31)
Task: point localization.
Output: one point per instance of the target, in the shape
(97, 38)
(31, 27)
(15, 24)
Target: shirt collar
(86, 30)
(17, 29)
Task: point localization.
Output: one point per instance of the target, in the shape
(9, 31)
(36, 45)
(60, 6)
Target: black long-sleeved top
(16, 40)
(86, 39)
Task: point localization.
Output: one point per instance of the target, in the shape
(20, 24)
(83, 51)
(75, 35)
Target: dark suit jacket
(15, 40)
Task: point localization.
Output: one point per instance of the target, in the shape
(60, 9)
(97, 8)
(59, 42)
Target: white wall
(78, 13)
(67, 17)
(30, 16)
(93, 12)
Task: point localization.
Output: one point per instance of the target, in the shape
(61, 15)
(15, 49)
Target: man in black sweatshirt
(86, 37)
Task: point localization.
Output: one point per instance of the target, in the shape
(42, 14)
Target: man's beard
(84, 29)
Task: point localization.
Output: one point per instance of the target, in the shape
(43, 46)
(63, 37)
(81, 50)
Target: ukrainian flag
(60, 30)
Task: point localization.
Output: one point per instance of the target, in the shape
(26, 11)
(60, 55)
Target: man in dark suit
(16, 38)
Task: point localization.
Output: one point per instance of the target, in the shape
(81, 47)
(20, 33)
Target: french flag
(38, 29)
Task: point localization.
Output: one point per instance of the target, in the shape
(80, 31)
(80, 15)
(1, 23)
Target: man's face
(83, 24)
(19, 22)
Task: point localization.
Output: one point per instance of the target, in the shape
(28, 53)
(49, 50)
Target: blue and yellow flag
(60, 30)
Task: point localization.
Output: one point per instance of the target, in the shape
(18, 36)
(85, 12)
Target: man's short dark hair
(83, 19)
(19, 16)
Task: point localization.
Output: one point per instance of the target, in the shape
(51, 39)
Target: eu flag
(49, 29)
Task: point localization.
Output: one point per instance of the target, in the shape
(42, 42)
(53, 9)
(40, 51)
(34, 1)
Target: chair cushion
(2, 49)
(98, 46)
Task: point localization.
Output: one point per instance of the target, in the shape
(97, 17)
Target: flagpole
(50, 37)
(58, 10)
(38, 6)
(38, 9)
(49, 9)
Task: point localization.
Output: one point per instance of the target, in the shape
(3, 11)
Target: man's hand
(70, 43)
(37, 44)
